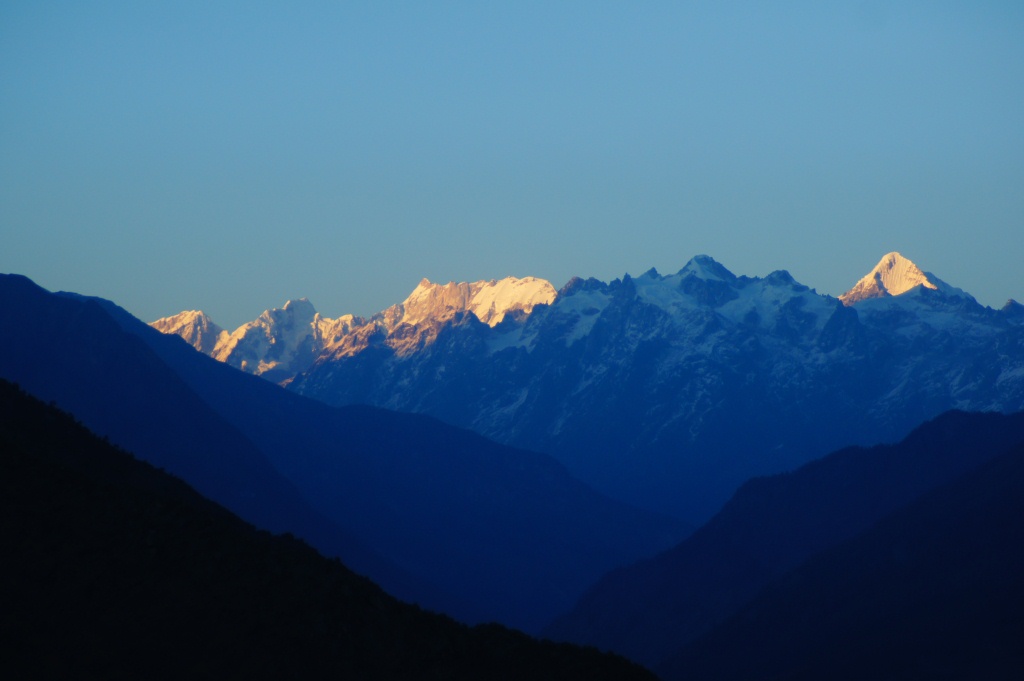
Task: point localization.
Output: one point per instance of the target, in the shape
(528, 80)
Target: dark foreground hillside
(934, 591)
(112, 569)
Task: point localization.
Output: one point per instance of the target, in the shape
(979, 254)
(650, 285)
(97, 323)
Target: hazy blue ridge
(935, 590)
(437, 515)
(649, 611)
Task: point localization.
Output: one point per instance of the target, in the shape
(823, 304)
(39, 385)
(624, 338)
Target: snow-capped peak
(195, 326)
(707, 268)
(489, 301)
(492, 300)
(182, 319)
(892, 276)
(302, 306)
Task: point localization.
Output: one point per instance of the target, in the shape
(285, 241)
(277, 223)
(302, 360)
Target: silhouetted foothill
(114, 570)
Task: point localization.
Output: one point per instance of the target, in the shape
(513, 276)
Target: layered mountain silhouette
(112, 569)
(435, 514)
(669, 391)
(934, 591)
(652, 610)
(665, 389)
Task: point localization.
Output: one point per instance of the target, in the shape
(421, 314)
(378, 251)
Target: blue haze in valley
(228, 156)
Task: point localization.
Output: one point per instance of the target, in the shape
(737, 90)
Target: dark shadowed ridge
(933, 591)
(487, 532)
(114, 570)
(651, 610)
(70, 352)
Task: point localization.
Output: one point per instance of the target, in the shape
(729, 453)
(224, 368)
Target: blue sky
(229, 156)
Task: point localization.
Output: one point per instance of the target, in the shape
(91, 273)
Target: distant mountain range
(283, 342)
(435, 514)
(664, 391)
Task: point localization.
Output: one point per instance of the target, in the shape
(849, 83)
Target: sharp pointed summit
(892, 276)
(706, 267)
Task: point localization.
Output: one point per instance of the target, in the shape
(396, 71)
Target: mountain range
(280, 343)
(896, 561)
(435, 514)
(663, 391)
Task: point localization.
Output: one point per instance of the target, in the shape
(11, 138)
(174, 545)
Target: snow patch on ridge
(664, 292)
(585, 307)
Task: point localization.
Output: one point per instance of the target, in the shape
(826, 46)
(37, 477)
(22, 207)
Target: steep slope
(113, 569)
(503, 534)
(669, 391)
(771, 525)
(935, 590)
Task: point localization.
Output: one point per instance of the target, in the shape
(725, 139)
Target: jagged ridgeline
(664, 391)
(284, 342)
(113, 569)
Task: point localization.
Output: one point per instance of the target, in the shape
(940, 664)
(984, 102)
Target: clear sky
(228, 156)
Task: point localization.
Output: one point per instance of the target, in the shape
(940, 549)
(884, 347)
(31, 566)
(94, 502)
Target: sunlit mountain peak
(892, 276)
